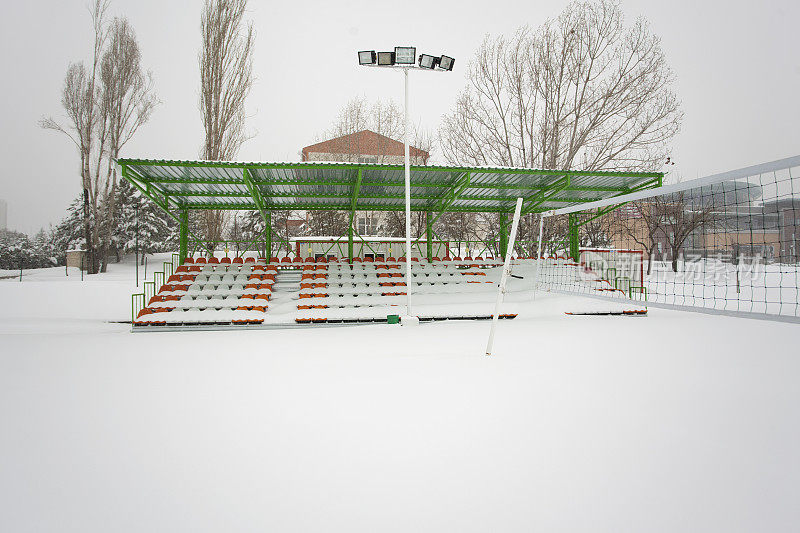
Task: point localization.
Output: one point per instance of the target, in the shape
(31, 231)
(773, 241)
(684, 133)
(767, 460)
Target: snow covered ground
(671, 422)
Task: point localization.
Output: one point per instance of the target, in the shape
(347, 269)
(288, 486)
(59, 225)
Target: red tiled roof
(364, 142)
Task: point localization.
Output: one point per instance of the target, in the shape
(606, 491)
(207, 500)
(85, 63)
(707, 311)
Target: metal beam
(479, 198)
(399, 184)
(540, 197)
(143, 189)
(574, 248)
(429, 236)
(183, 237)
(354, 196)
(605, 210)
(157, 188)
(342, 207)
(446, 201)
(255, 194)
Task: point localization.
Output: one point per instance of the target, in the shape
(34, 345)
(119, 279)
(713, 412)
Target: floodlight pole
(406, 67)
(408, 201)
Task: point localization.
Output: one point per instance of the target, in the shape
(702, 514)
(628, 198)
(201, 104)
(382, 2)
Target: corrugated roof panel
(326, 183)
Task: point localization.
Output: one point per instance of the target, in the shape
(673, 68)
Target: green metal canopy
(180, 186)
(315, 186)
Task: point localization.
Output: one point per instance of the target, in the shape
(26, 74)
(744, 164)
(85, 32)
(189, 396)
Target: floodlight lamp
(366, 57)
(426, 61)
(405, 55)
(446, 62)
(385, 59)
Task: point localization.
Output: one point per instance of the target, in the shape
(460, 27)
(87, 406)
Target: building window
(366, 225)
(368, 159)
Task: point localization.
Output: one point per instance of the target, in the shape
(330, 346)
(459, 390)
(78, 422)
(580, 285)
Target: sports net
(727, 243)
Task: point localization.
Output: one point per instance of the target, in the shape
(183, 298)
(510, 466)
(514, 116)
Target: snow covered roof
(351, 186)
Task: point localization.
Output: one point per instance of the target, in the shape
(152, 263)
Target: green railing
(149, 288)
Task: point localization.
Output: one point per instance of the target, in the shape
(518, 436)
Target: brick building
(364, 146)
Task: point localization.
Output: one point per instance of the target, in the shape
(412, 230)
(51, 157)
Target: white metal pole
(538, 256)
(408, 205)
(506, 269)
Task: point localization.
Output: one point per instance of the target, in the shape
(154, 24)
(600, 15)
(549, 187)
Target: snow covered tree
(18, 251)
(328, 223)
(68, 234)
(140, 217)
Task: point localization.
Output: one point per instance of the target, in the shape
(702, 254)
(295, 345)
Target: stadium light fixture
(366, 57)
(385, 59)
(446, 62)
(405, 57)
(428, 61)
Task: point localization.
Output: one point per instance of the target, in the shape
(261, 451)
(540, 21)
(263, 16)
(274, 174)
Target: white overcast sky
(737, 65)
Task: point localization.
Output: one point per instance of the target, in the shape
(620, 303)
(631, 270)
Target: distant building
(297, 226)
(368, 147)
(364, 147)
(3, 215)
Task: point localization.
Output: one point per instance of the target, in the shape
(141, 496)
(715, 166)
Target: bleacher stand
(371, 289)
(212, 291)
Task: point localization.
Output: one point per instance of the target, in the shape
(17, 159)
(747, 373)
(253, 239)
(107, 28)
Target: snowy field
(670, 422)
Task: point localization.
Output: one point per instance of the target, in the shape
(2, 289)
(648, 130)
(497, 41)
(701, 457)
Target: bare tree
(126, 102)
(226, 76)
(681, 216)
(458, 227)
(642, 223)
(79, 98)
(394, 223)
(582, 91)
(281, 228)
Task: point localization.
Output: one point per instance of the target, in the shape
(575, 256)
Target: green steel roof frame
(351, 187)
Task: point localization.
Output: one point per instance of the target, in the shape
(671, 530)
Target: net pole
(506, 270)
(538, 256)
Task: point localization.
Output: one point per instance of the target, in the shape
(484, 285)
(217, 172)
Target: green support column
(503, 235)
(268, 235)
(183, 249)
(350, 244)
(574, 248)
(429, 235)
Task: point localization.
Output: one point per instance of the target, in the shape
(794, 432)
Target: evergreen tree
(141, 220)
(18, 251)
